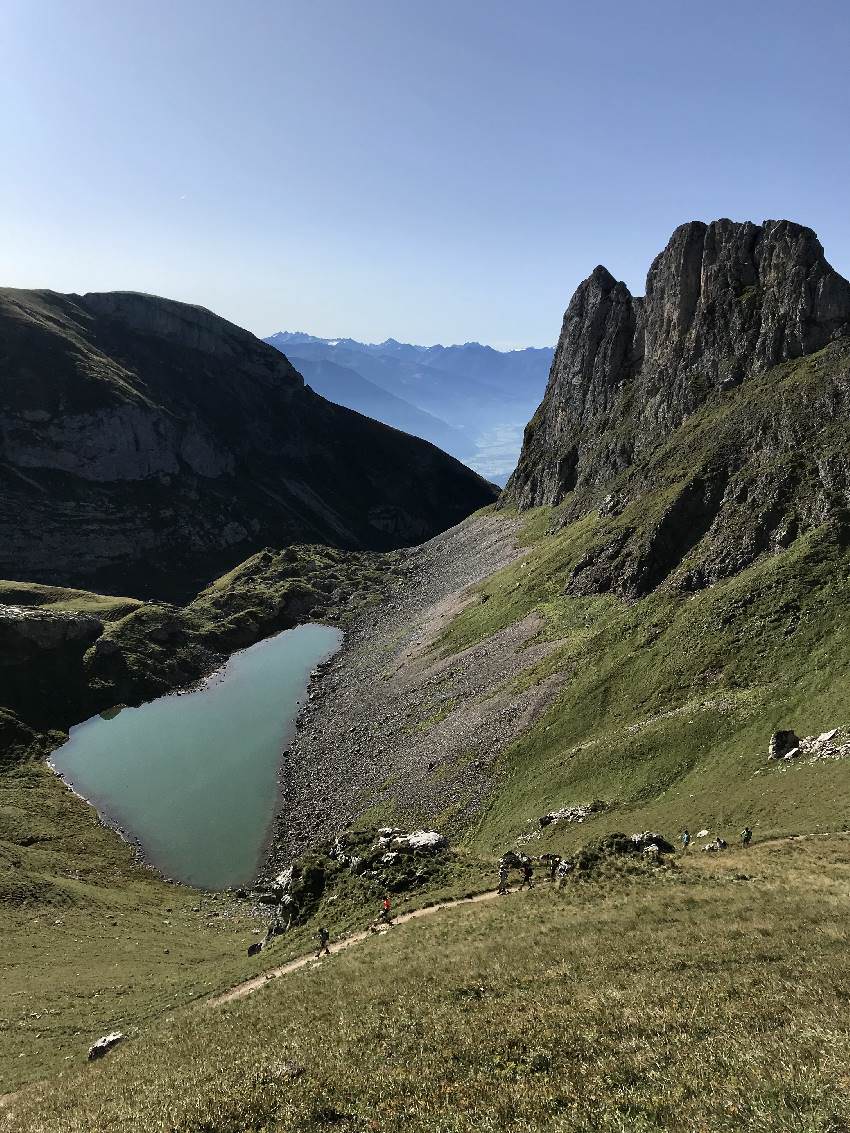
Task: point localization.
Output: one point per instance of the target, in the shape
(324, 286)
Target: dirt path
(243, 989)
(240, 991)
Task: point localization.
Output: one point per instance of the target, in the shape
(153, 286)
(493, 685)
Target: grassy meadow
(708, 996)
(94, 941)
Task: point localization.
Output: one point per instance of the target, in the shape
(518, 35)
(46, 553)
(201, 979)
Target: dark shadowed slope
(146, 444)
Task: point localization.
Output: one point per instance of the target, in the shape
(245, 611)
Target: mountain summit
(721, 389)
(147, 444)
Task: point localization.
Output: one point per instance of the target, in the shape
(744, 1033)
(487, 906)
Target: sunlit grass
(713, 997)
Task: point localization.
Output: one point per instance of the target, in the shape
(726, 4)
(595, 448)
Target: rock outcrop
(572, 814)
(105, 1044)
(674, 391)
(147, 445)
(832, 744)
(781, 743)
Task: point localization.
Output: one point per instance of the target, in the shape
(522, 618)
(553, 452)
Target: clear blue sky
(434, 170)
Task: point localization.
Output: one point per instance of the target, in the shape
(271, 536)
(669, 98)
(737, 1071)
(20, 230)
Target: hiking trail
(239, 991)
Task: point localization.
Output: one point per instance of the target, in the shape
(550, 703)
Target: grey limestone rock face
(727, 300)
(725, 303)
(125, 442)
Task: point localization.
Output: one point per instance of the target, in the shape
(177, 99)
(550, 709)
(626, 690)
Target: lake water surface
(194, 778)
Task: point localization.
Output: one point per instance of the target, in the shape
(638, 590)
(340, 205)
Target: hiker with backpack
(324, 937)
(564, 870)
(503, 877)
(527, 874)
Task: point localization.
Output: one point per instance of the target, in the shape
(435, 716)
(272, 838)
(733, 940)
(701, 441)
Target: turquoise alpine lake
(194, 778)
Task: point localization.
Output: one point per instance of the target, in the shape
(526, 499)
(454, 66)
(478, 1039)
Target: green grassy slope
(65, 599)
(669, 701)
(94, 941)
(710, 997)
(91, 939)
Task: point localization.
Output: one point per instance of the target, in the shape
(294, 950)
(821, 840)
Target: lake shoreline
(111, 817)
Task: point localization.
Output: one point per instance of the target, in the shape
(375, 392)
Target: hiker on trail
(563, 872)
(554, 862)
(746, 836)
(503, 877)
(686, 840)
(527, 874)
(385, 915)
(324, 937)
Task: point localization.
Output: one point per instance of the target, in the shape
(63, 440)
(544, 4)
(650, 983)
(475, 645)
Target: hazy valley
(471, 400)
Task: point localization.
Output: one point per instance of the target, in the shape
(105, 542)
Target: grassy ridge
(709, 997)
(65, 599)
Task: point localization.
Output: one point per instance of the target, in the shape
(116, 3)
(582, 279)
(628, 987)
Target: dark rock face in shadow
(147, 445)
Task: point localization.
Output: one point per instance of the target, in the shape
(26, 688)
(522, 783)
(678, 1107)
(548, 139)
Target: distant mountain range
(471, 400)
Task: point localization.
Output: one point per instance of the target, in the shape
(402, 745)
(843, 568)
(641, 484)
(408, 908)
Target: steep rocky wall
(724, 301)
(726, 304)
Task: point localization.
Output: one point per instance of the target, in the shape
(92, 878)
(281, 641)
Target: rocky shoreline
(394, 733)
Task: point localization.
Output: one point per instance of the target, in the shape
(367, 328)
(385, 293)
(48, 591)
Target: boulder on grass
(99, 1049)
(782, 743)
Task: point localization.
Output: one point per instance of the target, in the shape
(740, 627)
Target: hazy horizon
(436, 174)
(424, 345)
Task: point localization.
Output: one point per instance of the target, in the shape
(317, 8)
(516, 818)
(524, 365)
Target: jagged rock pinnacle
(723, 301)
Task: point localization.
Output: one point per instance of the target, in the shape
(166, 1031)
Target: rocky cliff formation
(146, 445)
(717, 405)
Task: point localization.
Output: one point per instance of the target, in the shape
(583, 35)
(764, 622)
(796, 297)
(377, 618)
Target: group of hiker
(718, 843)
(557, 868)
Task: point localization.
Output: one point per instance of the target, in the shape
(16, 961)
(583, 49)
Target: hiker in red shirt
(386, 907)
